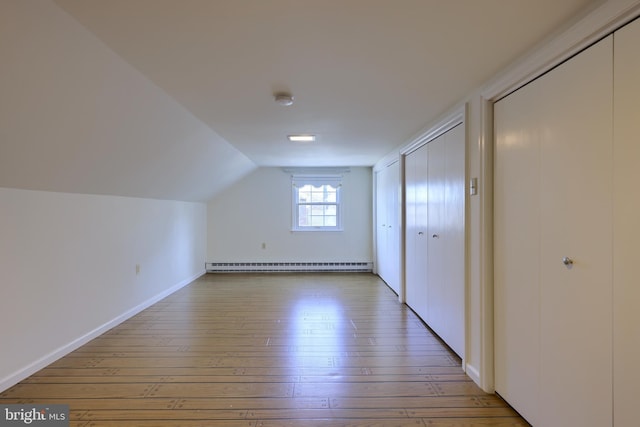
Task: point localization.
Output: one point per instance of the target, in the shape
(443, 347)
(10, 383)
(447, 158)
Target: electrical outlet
(137, 269)
(264, 245)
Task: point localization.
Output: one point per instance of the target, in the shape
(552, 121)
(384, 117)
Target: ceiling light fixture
(283, 99)
(301, 138)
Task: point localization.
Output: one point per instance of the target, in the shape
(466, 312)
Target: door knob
(436, 236)
(567, 261)
(420, 233)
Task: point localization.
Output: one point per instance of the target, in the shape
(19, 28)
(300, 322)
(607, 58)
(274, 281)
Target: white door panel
(454, 243)
(388, 226)
(626, 231)
(416, 228)
(435, 256)
(393, 227)
(436, 280)
(552, 193)
(517, 252)
(576, 183)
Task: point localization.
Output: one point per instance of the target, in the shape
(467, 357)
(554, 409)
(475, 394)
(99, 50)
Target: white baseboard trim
(32, 368)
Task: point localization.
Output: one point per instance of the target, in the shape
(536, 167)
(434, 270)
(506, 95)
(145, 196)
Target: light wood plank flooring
(264, 350)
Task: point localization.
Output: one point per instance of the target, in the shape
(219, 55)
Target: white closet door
(445, 236)
(393, 227)
(436, 271)
(626, 228)
(553, 203)
(381, 223)
(416, 228)
(576, 217)
(410, 235)
(388, 226)
(517, 251)
(454, 244)
(435, 235)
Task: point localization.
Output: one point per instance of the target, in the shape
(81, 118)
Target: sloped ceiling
(196, 108)
(75, 117)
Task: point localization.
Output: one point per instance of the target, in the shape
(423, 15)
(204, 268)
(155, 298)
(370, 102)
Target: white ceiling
(366, 74)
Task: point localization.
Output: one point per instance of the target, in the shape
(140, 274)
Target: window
(316, 203)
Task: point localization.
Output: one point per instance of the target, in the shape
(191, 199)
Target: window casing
(316, 202)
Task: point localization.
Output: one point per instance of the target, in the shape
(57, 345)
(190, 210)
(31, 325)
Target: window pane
(304, 193)
(317, 215)
(303, 215)
(330, 210)
(317, 196)
(317, 221)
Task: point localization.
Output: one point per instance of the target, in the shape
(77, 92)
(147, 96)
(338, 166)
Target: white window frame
(299, 181)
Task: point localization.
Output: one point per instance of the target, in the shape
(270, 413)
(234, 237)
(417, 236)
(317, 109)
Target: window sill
(316, 229)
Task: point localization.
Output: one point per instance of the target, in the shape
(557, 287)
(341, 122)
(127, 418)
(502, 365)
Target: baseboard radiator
(266, 267)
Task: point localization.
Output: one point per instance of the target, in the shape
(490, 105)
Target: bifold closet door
(576, 299)
(454, 244)
(517, 253)
(393, 252)
(553, 244)
(626, 229)
(446, 237)
(416, 231)
(381, 223)
(435, 235)
(388, 225)
(436, 269)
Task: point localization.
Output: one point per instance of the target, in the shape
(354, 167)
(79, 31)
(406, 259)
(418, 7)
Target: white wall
(68, 268)
(257, 210)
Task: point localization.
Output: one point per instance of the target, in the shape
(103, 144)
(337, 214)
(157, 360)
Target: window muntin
(316, 203)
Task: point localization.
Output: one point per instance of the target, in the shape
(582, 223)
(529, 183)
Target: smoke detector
(283, 99)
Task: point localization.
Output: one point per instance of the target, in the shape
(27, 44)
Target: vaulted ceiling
(366, 75)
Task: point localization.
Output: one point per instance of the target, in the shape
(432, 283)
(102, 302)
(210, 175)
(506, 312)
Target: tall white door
(553, 238)
(393, 227)
(415, 231)
(388, 225)
(576, 299)
(436, 271)
(446, 237)
(453, 228)
(435, 254)
(381, 223)
(626, 227)
(517, 253)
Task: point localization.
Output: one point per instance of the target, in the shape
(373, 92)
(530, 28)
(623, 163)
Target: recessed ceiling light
(302, 138)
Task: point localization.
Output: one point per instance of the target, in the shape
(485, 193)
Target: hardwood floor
(265, 350)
